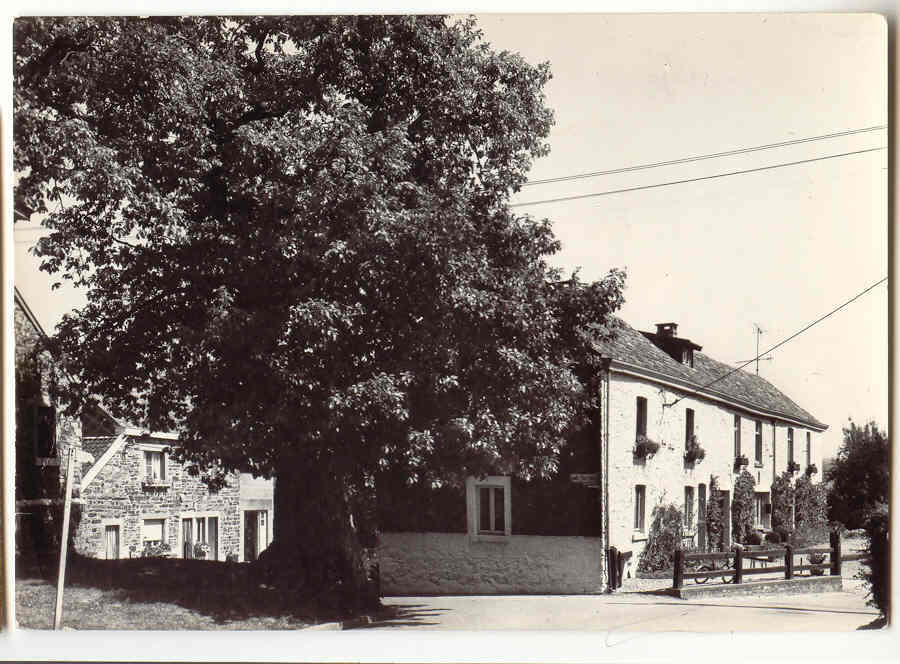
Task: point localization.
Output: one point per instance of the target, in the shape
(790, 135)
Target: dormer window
(678, 348)
(687, 356)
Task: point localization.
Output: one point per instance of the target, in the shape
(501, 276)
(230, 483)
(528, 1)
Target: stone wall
(452, 563)
(116, 497)
(665, 475)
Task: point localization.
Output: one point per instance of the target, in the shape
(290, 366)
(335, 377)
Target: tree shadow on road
(405, 615)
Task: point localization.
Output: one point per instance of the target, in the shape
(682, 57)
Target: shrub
(663, 539)
(878, 576)
(232, 557)
(783, 502)
(810, 512)
(644, 447)
(156, 550)
(753, 538)
(742, 506)
(774, 537)
(784, 534)
(715, 519)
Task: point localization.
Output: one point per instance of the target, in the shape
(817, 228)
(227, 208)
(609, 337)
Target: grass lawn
(158, 594)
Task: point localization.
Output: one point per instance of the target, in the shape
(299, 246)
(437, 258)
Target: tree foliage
(742, 507)
(296, 242)
(810, 512)
(860, 477)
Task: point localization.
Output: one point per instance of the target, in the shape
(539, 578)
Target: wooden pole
(64, 539)
(739, 565)
(835, 553)
(788, 562)
(678, 580)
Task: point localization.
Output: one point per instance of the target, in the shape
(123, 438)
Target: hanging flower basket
(811, 470)
(793, 466)
(740, 461)
(694, 453)
(644, 447)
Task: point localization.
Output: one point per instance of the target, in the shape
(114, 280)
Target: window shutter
(148, 465)
(162, 465)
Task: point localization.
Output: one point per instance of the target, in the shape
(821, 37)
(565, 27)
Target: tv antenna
(758, 331)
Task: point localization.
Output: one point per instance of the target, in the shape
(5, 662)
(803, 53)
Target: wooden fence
(687, 565)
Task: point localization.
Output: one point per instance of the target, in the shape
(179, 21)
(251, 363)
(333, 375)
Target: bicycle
(713, 567)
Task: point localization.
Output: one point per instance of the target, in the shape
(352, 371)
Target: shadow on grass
(404, 615)
(224, 591)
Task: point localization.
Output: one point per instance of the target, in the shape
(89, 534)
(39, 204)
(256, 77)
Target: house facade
(131, 496)
(659, 387)
(655, 388)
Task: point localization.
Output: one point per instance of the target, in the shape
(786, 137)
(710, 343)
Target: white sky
(779, 247)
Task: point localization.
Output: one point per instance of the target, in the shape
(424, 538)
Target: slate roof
(632, 347)
(96, 447)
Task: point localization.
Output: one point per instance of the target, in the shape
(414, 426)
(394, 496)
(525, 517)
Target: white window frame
(153, 517)
(639, 529)
(689, 514)
(473, 485)
(123, 547)
(194, 516)
(270, 529)
(144, 448)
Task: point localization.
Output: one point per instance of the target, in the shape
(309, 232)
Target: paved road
(634, 611)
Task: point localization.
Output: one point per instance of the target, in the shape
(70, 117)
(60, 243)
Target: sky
(777, 247)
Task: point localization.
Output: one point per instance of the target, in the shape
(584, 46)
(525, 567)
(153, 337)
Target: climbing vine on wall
(715, 518)
(742, 506)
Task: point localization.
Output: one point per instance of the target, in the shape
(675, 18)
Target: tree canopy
(296, 242)
(860, 477)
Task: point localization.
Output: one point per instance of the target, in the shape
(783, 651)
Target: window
(808, 450)
(491, 509)
(760, 510)
(154, 465)
(758, 442)
(790, 445)
(688, 426)
(687, 357)
(641, 425)
(688, 508)
(640, 497)
(488, 506)
(200, 530)
(737, 435)
(153, 531)
(44, 432)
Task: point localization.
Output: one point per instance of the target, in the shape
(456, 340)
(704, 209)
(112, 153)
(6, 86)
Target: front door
(251, 536)
(112, 542)
(187, 538)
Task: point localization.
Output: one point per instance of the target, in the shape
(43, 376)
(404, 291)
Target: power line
(713, 155)
(698, 179)
(783, 342)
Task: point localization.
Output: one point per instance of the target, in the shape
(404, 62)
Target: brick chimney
(667, 329)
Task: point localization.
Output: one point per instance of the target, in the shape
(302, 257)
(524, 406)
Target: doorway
(112, 542)
(256, 533)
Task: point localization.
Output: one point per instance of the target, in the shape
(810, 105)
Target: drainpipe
(604, 465)
(774, 472)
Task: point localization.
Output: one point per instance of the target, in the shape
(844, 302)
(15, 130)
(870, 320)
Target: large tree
(296, 242)
(860, 477)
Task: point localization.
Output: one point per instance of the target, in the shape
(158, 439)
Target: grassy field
(159, 594)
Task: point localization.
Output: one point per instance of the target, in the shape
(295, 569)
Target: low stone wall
(809, 584)
(455, 564)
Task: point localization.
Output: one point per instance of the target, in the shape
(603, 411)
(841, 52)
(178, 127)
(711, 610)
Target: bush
(663, 539)
(810, 512)
(694, 453)
(878, 547)
(774, 537)
(753, 538)
(742, 507)
(783, 503)
(784, 534)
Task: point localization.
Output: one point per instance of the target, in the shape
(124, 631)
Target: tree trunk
(316, 551)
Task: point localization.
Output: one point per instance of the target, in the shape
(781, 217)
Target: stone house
(660, 386)
(129, 492)
(503, 535)
(137, 496)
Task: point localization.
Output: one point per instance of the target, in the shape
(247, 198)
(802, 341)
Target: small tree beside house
(742, 507)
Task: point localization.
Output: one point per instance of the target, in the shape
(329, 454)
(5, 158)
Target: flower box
(793, 466)
(694, 453)
(644, 447)
(811, 470)
(154, 485)
(740, 461)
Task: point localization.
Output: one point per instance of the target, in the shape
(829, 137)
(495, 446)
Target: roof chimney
(667, 329)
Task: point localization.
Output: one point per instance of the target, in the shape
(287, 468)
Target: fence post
(788, 562)
(739, 564)
(613, 567)
(835, 554)
(678, 581)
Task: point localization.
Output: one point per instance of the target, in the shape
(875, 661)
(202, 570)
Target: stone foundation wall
(455, 564)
